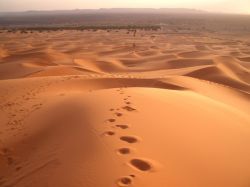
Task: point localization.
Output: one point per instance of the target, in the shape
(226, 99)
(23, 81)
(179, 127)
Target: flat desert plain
(107, 109)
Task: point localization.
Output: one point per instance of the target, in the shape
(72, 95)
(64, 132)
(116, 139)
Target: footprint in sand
(109, 133)
(125, 181)
(18, 168)
(7, 154)
(118, 114)
(10, 160)
(129, 108)
(128, 103)
(122, 126)
(140, 164)
(129, 139)
(5, 151)
(111, 120)
(124, 151)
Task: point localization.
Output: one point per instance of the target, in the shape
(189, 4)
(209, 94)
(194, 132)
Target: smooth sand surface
(107, 109)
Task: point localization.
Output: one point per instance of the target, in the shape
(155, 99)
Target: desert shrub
(108, 28)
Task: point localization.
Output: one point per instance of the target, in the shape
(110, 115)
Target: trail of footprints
(138, 164)
(18, 109)
(16, 124)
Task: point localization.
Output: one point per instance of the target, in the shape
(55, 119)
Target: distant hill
(170, 18)
(108, 10)
(151, 10)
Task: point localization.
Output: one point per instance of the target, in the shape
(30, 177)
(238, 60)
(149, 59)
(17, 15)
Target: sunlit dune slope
(113, 109)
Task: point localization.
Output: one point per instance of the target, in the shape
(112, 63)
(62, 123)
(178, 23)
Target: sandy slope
(108, 109)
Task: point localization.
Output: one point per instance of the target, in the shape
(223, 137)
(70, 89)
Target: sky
(228, 6)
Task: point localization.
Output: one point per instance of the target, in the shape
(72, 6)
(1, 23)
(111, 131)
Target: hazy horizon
(220, 6)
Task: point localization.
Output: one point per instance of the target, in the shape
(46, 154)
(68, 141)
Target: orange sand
(103, 109)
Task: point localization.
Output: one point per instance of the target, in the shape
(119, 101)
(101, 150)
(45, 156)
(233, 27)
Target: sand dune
(233, 69)
(216, 75)
(194, 54)
(109, 109)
